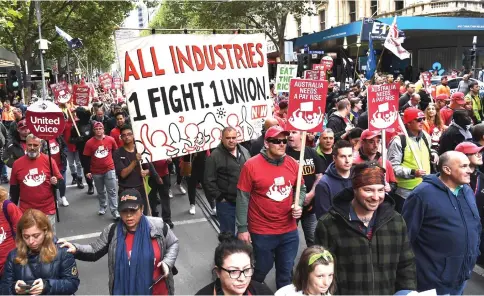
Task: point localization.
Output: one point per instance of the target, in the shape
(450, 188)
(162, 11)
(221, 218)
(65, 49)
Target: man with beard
(100, 168)
(31, 180)
(17, 146)
(116, 132)
(458, 131)
(368, 237)
(312, 171)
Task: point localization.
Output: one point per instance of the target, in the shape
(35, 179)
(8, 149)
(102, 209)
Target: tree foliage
(92, 21)
(266, 16)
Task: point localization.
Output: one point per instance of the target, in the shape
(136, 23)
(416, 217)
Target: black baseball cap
(130, 199)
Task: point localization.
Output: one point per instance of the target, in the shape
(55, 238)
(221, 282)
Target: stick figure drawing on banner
(176, 140)
(247, 129)
(305, 117)
(384, 117)
(156, 141)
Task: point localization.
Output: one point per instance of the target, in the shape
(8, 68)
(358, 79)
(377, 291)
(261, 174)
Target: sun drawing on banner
(221, 113)
(384, 117)
(305, 117)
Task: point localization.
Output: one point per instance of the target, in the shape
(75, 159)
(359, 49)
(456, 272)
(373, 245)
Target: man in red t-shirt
(116, 132)
(31, 180)
(457, 102)
(370, 142)
(265, 211)
(100, 149)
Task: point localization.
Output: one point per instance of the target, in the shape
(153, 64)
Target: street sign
(3, 75)
(307, 101)
(316, 52)
(45, 120)
(383, 106)
(36, 75)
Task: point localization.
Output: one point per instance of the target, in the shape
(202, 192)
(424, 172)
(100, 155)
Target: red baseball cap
(22, 124)
(458, 97)
(442, 97)
(468, 148)
(367, 134)
(274, 131)
(98, 124)
(411, 114)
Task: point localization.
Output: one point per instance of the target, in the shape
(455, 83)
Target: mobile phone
(25, 287)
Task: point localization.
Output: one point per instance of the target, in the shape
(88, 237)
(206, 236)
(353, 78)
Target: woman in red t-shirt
(9, 216)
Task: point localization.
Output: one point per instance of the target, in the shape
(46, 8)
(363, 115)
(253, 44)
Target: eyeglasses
(235, 274)
(478, 154)
(277, 141)
(126, 135)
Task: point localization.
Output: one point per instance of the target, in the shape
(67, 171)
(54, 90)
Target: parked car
(454, 83)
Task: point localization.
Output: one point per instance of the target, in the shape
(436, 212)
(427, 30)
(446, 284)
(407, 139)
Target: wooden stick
(384, 151)
(299, 171)
(73, 121)
(148, 206)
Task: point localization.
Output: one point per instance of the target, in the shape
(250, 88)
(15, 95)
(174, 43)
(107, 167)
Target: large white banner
(182, 90)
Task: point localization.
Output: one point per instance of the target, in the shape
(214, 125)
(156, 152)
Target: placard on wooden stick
(307, 102)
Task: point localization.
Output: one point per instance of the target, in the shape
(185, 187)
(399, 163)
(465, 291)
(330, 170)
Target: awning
(405, 23)
(8, 58)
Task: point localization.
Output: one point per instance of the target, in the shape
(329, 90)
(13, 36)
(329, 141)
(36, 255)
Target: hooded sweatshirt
(328, 187)
(444, 230)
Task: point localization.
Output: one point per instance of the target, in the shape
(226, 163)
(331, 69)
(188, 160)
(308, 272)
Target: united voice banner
(182, 92)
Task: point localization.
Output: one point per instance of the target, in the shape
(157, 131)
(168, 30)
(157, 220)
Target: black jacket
(14, 150)
(222, 171)
(362, 121)
(254, 288)
(256, 145)
(60, 276)
(403, 100)
(104, 121)
(450, 138)
(85, 129)
(337, 124)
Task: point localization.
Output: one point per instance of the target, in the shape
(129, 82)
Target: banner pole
(73, 121)
(384, 150)
(299, 171)
(54, 189)
(378, 65)
(148, 206)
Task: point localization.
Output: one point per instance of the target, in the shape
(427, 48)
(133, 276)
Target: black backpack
(112, 229)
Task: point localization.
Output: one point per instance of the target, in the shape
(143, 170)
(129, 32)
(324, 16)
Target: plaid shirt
(381, 265)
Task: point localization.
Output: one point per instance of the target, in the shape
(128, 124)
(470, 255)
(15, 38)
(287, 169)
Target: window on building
(322, 20)
(352, 10)
(398, 4)
(374, 7)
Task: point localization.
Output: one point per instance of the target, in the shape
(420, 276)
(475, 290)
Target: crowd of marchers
(411, 222)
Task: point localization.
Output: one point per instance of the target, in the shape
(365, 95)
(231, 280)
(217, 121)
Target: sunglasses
(419, 119)
(277, 141)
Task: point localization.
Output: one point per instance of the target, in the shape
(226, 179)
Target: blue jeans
(106, 183)
(226, 216)
(281, 248)
(309, 223)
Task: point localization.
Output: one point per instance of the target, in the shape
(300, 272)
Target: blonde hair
(3, 194)
(29, 219)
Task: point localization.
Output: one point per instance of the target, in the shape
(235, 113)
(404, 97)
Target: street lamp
(345, 43)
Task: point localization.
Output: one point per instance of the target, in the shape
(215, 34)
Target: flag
(394, 43)
(370, 62)
(72, 42)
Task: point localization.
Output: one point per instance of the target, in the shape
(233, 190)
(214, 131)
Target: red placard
(117, 82)
(106, 81)
(61, 92)
(383, 106)
(81, 94)
(307, 101)
(45, 120)
(327, 62)
(426, 77)
(314, 74)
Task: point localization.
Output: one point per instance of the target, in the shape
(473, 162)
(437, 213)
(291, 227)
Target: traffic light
(13, 81)
(472, 55)
(304, 63)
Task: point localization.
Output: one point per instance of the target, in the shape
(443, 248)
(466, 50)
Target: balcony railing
(449, 7)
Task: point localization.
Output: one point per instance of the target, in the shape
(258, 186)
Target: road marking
(479, 270)
(96, 234)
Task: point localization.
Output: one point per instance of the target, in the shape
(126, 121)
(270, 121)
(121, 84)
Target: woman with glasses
(314, 274)
(38, 266)
(234, 266)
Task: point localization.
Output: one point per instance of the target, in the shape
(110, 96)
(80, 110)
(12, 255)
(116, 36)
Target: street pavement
(197, 236)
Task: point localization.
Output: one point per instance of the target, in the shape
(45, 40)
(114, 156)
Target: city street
(197, 236)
